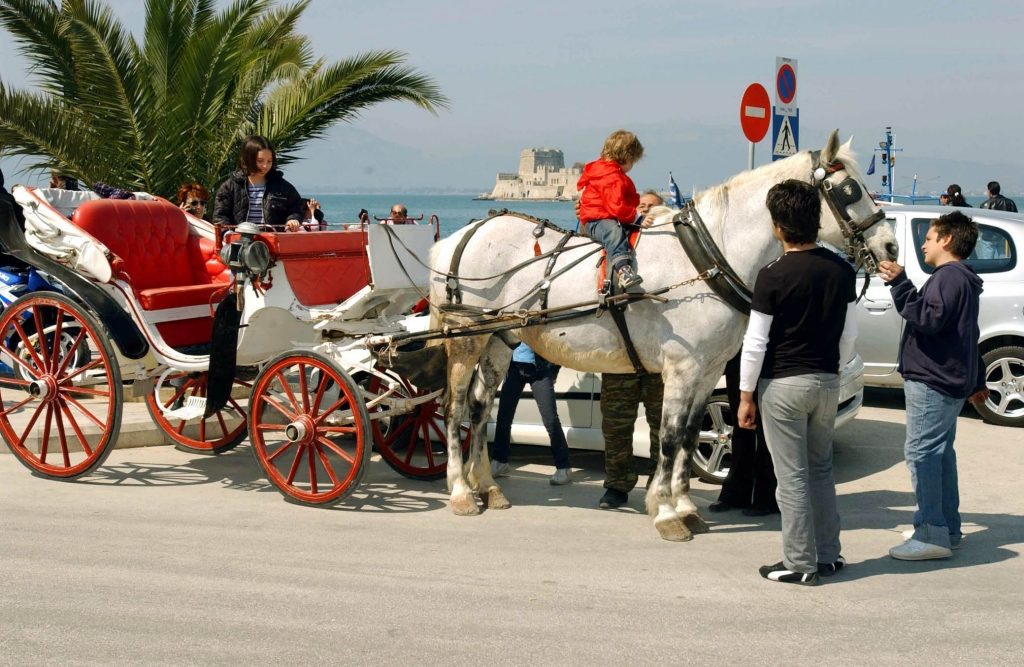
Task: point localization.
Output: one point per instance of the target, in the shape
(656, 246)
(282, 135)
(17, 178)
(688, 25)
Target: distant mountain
(353, 160)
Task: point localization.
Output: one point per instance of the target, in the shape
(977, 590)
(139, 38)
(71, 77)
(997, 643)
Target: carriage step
(193, 408)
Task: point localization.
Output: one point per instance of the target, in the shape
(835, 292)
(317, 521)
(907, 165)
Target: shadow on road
(382, 489)
(985, 535)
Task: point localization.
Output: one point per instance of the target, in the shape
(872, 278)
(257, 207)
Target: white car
(997, 259)
(579, 409)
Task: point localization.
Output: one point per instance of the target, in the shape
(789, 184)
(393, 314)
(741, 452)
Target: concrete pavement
(162, 557)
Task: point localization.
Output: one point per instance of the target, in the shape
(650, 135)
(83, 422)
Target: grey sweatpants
(798, 415)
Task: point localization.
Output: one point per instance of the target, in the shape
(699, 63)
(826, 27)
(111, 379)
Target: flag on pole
(673, 189)
(871, 167)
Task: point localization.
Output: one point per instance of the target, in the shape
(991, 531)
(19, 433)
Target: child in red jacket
(608, 201)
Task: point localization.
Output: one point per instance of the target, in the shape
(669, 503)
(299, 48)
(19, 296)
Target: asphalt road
(162, 557)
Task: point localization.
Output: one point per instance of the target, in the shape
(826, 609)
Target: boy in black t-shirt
(801, 331)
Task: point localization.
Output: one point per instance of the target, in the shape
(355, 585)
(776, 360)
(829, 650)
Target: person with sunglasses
(399, 215)
(192, 198)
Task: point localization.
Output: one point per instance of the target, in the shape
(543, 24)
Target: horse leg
(463, 354)
(681, 469)
(659, 496)
(490, 372)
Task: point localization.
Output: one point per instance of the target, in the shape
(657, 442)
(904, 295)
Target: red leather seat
(322, 268)
(166, 264)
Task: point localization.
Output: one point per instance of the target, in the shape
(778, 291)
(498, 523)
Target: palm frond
(53, 135)
(108, 76)
(176, 106)
(40, 31)
(299, 111)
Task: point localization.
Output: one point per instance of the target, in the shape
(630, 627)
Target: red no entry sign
(755, 112)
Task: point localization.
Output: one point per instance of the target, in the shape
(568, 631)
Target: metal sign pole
(750, 155)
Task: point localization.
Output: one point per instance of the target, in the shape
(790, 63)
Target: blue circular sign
(785, 84)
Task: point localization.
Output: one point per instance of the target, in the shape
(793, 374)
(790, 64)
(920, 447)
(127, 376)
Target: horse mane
(714, 201)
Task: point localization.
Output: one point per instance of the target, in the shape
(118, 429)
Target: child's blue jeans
(613, 237)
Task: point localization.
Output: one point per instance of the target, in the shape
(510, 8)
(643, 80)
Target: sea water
(456, 211)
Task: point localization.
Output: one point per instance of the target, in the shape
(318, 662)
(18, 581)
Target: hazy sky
(945, 75)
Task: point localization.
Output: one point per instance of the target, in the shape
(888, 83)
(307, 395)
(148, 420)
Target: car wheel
(713, 456)
(1004, 377)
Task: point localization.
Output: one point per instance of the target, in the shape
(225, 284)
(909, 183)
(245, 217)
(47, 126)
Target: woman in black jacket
(257, 192)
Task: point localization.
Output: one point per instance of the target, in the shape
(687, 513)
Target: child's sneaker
(627, 277)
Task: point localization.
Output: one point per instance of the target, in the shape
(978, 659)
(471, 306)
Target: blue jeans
(798, 416)
(542, 383)
(931, 429)
(613, 237)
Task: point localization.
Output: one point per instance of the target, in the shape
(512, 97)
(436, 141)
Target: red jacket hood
(598, 171)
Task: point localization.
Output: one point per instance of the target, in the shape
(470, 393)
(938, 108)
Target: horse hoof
(696, 524)
(673, 530)
(496, 500)
(465, 506)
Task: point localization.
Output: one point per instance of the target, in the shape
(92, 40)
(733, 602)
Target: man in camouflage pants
(621, 395)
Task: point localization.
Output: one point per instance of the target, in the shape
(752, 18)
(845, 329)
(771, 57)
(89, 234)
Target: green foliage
(174, 108)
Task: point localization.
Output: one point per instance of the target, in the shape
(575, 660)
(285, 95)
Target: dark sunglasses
(196, 202)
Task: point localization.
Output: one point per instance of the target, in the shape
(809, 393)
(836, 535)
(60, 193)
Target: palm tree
(174, 108)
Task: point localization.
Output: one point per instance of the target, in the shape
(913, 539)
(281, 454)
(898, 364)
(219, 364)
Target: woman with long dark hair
(257, 192)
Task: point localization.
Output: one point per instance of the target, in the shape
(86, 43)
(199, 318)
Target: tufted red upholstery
(166, 264)
(322, 267)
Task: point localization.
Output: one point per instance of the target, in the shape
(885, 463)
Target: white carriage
(140, 282)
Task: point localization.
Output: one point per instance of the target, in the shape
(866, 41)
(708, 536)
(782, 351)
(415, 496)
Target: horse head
(850, 219)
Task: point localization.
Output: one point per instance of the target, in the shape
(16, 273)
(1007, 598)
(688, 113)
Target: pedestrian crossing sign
(785, 131)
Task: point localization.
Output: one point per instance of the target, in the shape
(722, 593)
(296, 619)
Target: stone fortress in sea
(542, 175)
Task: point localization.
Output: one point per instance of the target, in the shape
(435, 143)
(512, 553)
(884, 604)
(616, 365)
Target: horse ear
(831, 149)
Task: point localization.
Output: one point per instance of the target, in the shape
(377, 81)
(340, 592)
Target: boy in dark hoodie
(608, 201)
(941, 367)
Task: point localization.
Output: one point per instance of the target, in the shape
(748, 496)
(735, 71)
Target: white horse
(687, 337)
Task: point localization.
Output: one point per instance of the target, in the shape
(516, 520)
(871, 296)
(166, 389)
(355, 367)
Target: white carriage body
(142, 281)
(277, 316)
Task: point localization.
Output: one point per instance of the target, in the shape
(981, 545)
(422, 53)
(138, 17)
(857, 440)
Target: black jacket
(1000, 203)
(281, 201)
(16, 216)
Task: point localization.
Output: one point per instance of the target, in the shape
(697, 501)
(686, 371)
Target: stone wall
(542, 175)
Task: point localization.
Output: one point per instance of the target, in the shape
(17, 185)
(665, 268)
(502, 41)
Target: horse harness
(838, 197)
(700, 248)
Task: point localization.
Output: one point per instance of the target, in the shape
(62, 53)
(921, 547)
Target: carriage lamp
(246, 254)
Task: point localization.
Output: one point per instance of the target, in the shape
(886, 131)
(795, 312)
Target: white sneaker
(561, 477)
(499, 469)
(915, 550)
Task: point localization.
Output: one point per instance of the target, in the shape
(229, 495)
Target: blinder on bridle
(839, 197)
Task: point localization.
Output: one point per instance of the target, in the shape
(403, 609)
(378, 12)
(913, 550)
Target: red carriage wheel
(415, 443)
(62, 407)
(215, 434)
(309, 428)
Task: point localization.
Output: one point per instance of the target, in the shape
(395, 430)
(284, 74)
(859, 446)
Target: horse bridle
(838, 197)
